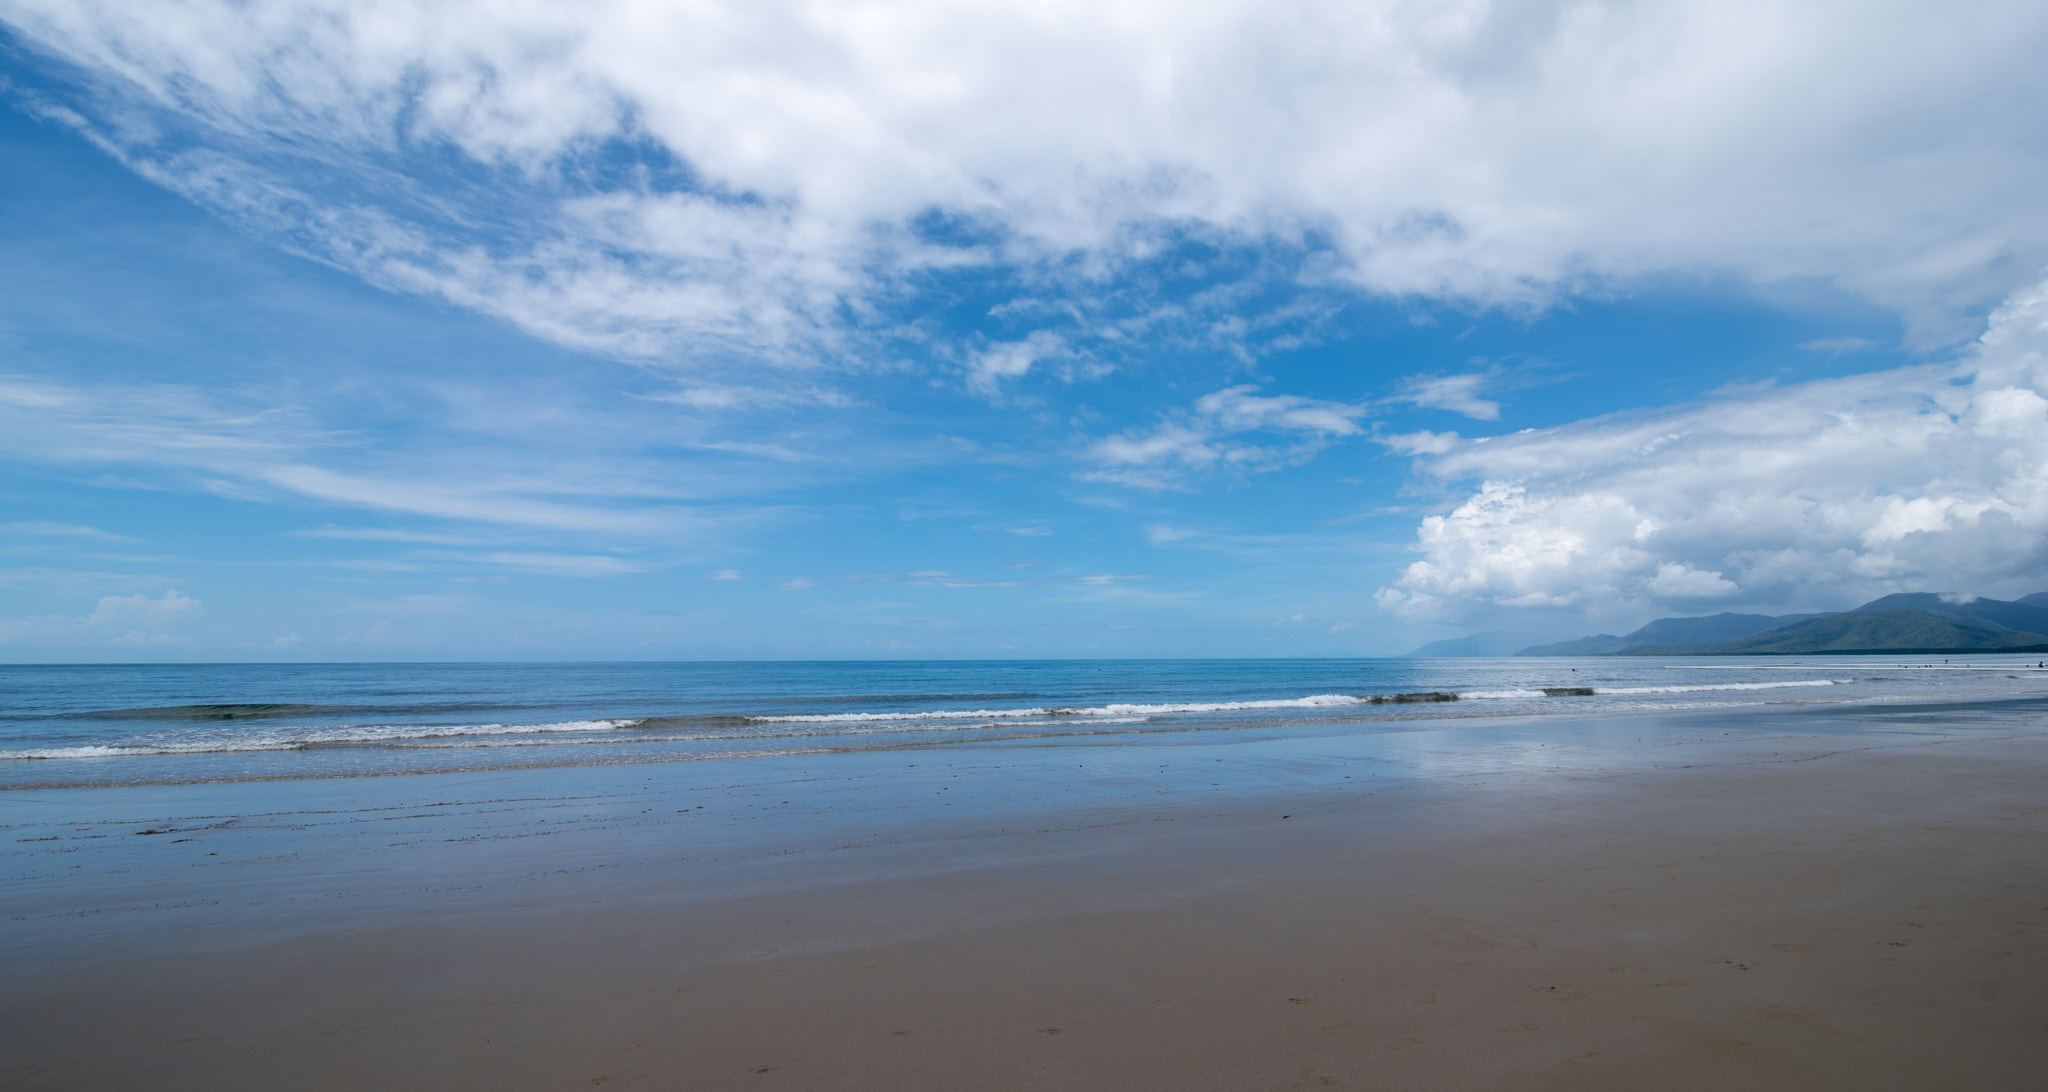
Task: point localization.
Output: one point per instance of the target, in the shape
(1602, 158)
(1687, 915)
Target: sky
(626, 330)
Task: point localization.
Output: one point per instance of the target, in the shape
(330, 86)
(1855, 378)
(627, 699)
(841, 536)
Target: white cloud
(1457, 393)
(490, 502)
(1423, 442)
(138, 637)
(1117, 587)
(1032, 528)
(697, 181)
(63, 530)
(415, 606)
(383, 534)
(140, 610)
(238, 446)
(926, 578)
(1836, 346)
(1822, 493)
(583, 565)
(725, 574)
(729, 396)
(133, 619)
(1677, 580)
(1204, 438)
(988, 367)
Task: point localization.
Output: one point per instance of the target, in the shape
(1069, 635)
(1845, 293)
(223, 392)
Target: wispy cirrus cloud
(696, 184)
(1212, 436)
(554, 564)
(386, 534)
(49, 529)
(926, 578)
(1457, 393)
(1085, 585)
(1837, 346)
(236, 445)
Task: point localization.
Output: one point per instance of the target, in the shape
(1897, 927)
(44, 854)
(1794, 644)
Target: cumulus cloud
(1821, 493)
(1208, 437)
(1677, 580)
(989, 367)
(135, 619)
(140, 610)
(684, 181)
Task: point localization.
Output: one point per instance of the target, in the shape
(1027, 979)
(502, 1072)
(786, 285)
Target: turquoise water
(155, 724)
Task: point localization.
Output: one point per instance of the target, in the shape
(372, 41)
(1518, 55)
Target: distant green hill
(1924, 622)
(1866, 631)
(1712, 629)
(1600, 644)
(1995, 612)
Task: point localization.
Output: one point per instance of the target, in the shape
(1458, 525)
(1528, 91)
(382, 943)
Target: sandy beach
(1781, 897)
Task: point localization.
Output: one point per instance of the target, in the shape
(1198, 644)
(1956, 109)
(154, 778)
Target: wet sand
(1765, 899)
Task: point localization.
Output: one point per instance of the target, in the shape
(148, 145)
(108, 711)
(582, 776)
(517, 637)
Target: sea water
(77, 725)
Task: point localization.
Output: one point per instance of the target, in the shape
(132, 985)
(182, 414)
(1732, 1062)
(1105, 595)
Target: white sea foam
(380, 733)
(1313, 701)
(196, 747)
(1501, 695)
(440, 736)
(1722, 686)
(375, 733)
(809, 724)
(795, 732)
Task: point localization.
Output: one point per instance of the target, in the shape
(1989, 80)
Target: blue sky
(372, 332)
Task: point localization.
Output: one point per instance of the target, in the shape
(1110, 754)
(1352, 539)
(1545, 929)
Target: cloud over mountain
(1925, 478)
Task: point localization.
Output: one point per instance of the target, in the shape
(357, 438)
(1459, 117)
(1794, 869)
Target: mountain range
(1911, 622)
(1920, 622)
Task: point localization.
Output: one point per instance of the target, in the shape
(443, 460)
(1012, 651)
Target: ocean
(109, 725)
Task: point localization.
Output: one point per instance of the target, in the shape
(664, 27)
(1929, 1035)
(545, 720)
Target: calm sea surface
(153, 724)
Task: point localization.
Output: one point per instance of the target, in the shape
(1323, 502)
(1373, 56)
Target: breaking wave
(1313, 701)
(365, 734)
(734, 726)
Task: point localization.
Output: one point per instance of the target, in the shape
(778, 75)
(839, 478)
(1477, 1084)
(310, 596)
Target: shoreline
(1163, 734)
(526, 929)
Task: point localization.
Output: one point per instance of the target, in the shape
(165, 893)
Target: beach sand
(1777, 898)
